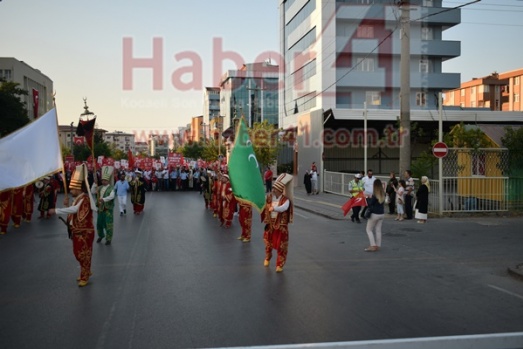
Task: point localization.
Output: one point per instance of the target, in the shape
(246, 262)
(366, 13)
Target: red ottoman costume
(277, 214)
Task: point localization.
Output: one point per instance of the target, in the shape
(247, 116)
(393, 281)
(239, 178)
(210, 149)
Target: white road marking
(505, 291)
(302, 216)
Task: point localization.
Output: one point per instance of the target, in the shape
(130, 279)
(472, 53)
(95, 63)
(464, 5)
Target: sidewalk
(329, 206)
(324, 204)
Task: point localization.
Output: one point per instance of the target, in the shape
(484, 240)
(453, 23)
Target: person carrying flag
(355, 188)
(80, 222)
(277, 214)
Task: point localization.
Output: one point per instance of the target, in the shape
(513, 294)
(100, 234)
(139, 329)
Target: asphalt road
(174, 279)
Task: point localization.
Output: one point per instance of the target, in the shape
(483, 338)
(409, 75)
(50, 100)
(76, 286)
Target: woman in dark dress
(307, 182)
(422, 200)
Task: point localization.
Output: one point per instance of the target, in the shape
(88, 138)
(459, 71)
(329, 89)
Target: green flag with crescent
(244, 170)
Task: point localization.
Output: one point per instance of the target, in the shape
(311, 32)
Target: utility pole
(405, 148)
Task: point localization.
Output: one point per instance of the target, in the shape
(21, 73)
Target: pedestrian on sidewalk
(314, 182)
(409, 193)
(368, 184)
(374, 223)
(355, 188)
(307, 182)
(267, 176)
(391, 192)
(422, 200)
(400, 199)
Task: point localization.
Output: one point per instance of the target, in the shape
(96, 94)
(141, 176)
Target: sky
(80, 46)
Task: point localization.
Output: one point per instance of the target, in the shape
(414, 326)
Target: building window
(373, 97)
(473, 104)
(6, 74)
(428, 3)
(421, 99)
(478, 164)
(427, 33)
(365, 31)
(365, 64)
(516, 98)
(516, 80)
(473, 90)
(423, 66)
(462, 92)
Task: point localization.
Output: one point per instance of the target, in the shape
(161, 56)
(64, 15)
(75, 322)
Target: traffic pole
(440, 159)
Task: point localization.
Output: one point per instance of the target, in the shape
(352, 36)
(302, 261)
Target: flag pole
(64, 177)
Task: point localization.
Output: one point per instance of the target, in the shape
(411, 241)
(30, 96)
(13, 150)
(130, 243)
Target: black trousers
(408, 206)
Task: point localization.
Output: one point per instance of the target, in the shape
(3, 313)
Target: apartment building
(497, 92)
(513, 91)
(120, 140)
(251, 92)
(39, 99)
(343, 63)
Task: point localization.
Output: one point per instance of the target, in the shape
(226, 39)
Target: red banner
(148, 164)
(107, 161)
(78, 140)
(35, 103)
(174, 159)
(69, 163)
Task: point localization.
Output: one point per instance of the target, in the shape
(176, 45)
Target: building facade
(211, 104)
(121, 140)
(344, 54)
(342, 77)
(513, 91)
(497, 92)
(251, 92)
(39, 87)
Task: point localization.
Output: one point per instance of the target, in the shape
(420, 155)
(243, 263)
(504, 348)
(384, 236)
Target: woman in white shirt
(400, 199)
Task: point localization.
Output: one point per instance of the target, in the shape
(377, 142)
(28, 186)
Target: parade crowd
(99, 191)
(96, 192)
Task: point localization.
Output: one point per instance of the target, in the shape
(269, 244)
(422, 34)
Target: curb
(307, 209)
(516, 271)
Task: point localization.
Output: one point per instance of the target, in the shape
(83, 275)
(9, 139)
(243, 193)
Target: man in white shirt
(368, 184)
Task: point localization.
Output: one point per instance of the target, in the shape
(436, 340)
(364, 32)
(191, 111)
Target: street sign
(440, 150)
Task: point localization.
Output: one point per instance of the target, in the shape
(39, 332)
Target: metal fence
(473, 180)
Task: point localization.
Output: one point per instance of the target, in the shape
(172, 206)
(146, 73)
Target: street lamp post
(72, 123)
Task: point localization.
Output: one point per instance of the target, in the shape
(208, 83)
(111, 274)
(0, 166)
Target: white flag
(30, 152)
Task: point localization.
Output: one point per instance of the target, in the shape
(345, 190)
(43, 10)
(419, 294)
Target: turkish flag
(358, 200)
(35, 103)
(78, 140)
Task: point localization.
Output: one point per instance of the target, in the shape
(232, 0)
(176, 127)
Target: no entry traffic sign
(440, 150)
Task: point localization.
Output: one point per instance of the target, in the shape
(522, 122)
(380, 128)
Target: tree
(82, 152)
(192, 150)
(513, 141)
(13, 114)
(265, 142)
(465, 136)
(210, 151)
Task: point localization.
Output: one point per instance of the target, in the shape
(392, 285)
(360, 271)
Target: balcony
(432, 48)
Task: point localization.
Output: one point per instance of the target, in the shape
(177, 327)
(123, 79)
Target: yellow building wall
(488, 187)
